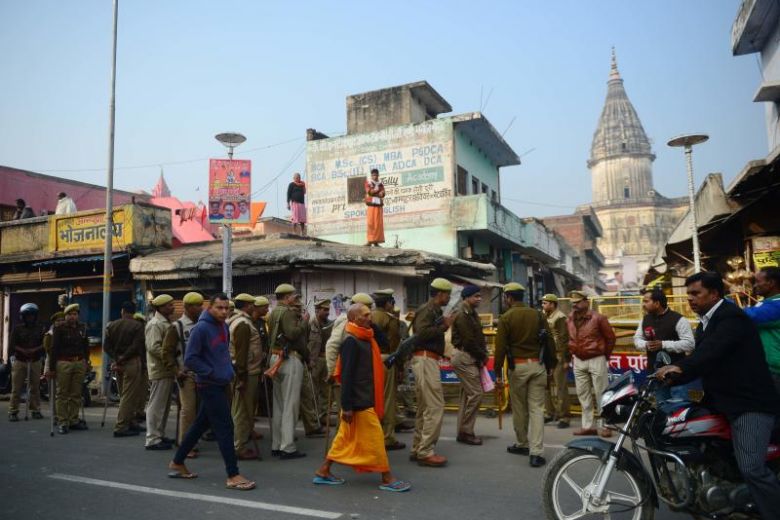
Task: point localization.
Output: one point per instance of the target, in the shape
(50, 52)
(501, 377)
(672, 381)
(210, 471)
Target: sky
(187, 70)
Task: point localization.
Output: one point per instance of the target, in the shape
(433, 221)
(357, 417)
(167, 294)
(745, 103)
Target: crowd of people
(226, 357)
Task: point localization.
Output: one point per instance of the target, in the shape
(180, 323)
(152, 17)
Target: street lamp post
(688, 142)
(230, 140)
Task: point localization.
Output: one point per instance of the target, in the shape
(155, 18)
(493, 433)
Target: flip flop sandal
(329, 480)
(245, 485)
(399, 486)
(192, 455)
(181, 474)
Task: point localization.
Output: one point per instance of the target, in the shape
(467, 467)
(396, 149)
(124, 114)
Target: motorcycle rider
(27, 349)
(730, 360)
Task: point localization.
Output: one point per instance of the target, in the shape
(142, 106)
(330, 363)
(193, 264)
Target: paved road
(93, 475)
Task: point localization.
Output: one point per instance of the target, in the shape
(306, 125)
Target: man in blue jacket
(766, 316)
(208, 356)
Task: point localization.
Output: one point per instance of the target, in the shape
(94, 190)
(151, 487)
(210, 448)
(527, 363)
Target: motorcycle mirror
(662, 359)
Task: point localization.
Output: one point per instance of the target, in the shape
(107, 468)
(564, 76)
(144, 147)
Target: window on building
(474, 185)
(626, 192)
(494, 196)
(462, 187)
(485, 188)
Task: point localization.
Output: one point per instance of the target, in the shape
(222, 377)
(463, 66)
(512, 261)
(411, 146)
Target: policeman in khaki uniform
(161, 378)
(313, 389)
(429, 326)
(125, 344)
(259, 313)
(288, 338)
(470, 356)
(247, 357)
(70, 360)
(557, 405)
(517, 337)
(384, 318)
(173, 349)
(27, 348)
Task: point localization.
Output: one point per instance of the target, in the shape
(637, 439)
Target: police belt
(427, 353)
(522, 360)
(291, 353)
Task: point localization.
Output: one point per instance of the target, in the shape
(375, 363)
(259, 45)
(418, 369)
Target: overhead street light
(687, 142)
(230, 140)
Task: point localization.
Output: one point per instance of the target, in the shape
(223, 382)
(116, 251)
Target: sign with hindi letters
(88, 231)
(766, 251)
(229, 191)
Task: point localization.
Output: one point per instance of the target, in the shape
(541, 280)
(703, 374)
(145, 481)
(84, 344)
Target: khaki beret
(284, 288)
(244, 297)
(577, 296)
(396, 310)
(231, 305)
(192, 298)
(325, 303)
(57, 316)
(261, 301)
(363, 298)
(441, 284)
(162, 299)
(384, 292)
(550, 298)
(71, 308)
(140, 317)
(513, 287)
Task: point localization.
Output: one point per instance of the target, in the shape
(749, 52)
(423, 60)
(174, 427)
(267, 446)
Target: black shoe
(136, 428)
(319, 432)
(126, 433)
(62, 430)
(292, 455)
(562, 425)
(548, 419)
(276, 453)
(37, 415)
(168, 440)
(160, 446)
(536, 461)
(13, 417)
(395, 446)
(517, 450)
(79, 426)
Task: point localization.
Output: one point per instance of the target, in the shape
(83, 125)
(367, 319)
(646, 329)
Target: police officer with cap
(174, 347)
(557, 404)
(314, 388)
(27, 350)
(125, 344)
(161, 378)
(429, 326)
(70, 361)
(246, 355)
(288, 347)
(518, 338)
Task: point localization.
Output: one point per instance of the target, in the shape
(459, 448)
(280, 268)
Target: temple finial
(613, 71)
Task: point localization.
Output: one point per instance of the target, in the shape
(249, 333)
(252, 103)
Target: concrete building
(442, 180)
(635, 219)
(581, 232)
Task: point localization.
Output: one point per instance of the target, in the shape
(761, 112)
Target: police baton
(52, 398)
(29, 393)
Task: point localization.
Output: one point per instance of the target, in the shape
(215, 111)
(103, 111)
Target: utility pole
(230, 140)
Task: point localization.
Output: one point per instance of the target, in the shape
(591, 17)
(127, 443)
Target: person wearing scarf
(296, 202)
(360, 442)
(375, 195)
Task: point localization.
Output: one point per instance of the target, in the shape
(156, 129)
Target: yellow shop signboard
(87, 231)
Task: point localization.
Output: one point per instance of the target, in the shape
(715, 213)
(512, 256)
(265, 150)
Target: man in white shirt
(663, 329)
(65, 205)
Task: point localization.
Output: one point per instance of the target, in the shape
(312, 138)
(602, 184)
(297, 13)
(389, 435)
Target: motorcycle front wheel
(571, 479)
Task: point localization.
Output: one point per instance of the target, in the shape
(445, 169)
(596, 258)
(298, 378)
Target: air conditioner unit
(465, 253)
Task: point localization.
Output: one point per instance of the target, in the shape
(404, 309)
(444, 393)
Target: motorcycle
(689, 462)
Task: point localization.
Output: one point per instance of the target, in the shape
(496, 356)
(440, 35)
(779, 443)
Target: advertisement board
(230, 191)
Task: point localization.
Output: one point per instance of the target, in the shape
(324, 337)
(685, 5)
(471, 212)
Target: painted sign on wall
(414, 163)
(766, 252)
(229, 191)
(79, 232)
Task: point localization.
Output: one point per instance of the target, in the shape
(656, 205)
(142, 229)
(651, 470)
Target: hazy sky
(190, 69)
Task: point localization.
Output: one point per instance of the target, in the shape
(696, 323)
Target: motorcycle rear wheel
(571, 477)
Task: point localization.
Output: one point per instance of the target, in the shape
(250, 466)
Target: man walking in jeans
(591, 340)
(208, 356)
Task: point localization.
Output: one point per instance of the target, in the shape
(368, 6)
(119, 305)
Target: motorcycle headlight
(606, 398)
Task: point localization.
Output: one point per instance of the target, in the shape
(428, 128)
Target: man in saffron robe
(360, 442)
(375, 196)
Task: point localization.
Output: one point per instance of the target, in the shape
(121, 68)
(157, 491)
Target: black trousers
(213, 412)
(750, 434)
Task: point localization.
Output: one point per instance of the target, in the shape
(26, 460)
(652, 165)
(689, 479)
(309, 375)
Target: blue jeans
(214, 413)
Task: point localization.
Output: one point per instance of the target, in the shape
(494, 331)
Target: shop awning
(77, 260)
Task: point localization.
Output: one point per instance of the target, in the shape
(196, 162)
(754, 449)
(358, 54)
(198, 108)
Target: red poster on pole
(230, 191)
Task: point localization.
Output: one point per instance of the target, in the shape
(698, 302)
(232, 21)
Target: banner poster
(229, 191)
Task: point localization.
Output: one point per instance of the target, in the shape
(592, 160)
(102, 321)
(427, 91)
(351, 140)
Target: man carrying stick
(359, 442)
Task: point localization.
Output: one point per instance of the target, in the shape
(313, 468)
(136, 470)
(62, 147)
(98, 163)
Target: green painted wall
(475, 162)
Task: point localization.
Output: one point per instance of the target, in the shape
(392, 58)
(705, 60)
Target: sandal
(399, 486)
(327, 480)
(181, 472)
(244, 485)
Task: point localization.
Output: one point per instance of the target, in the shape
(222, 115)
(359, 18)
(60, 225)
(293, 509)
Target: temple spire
(613, 72)
(161, 188)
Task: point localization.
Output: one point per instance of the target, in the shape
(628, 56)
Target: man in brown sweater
(591, 340)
